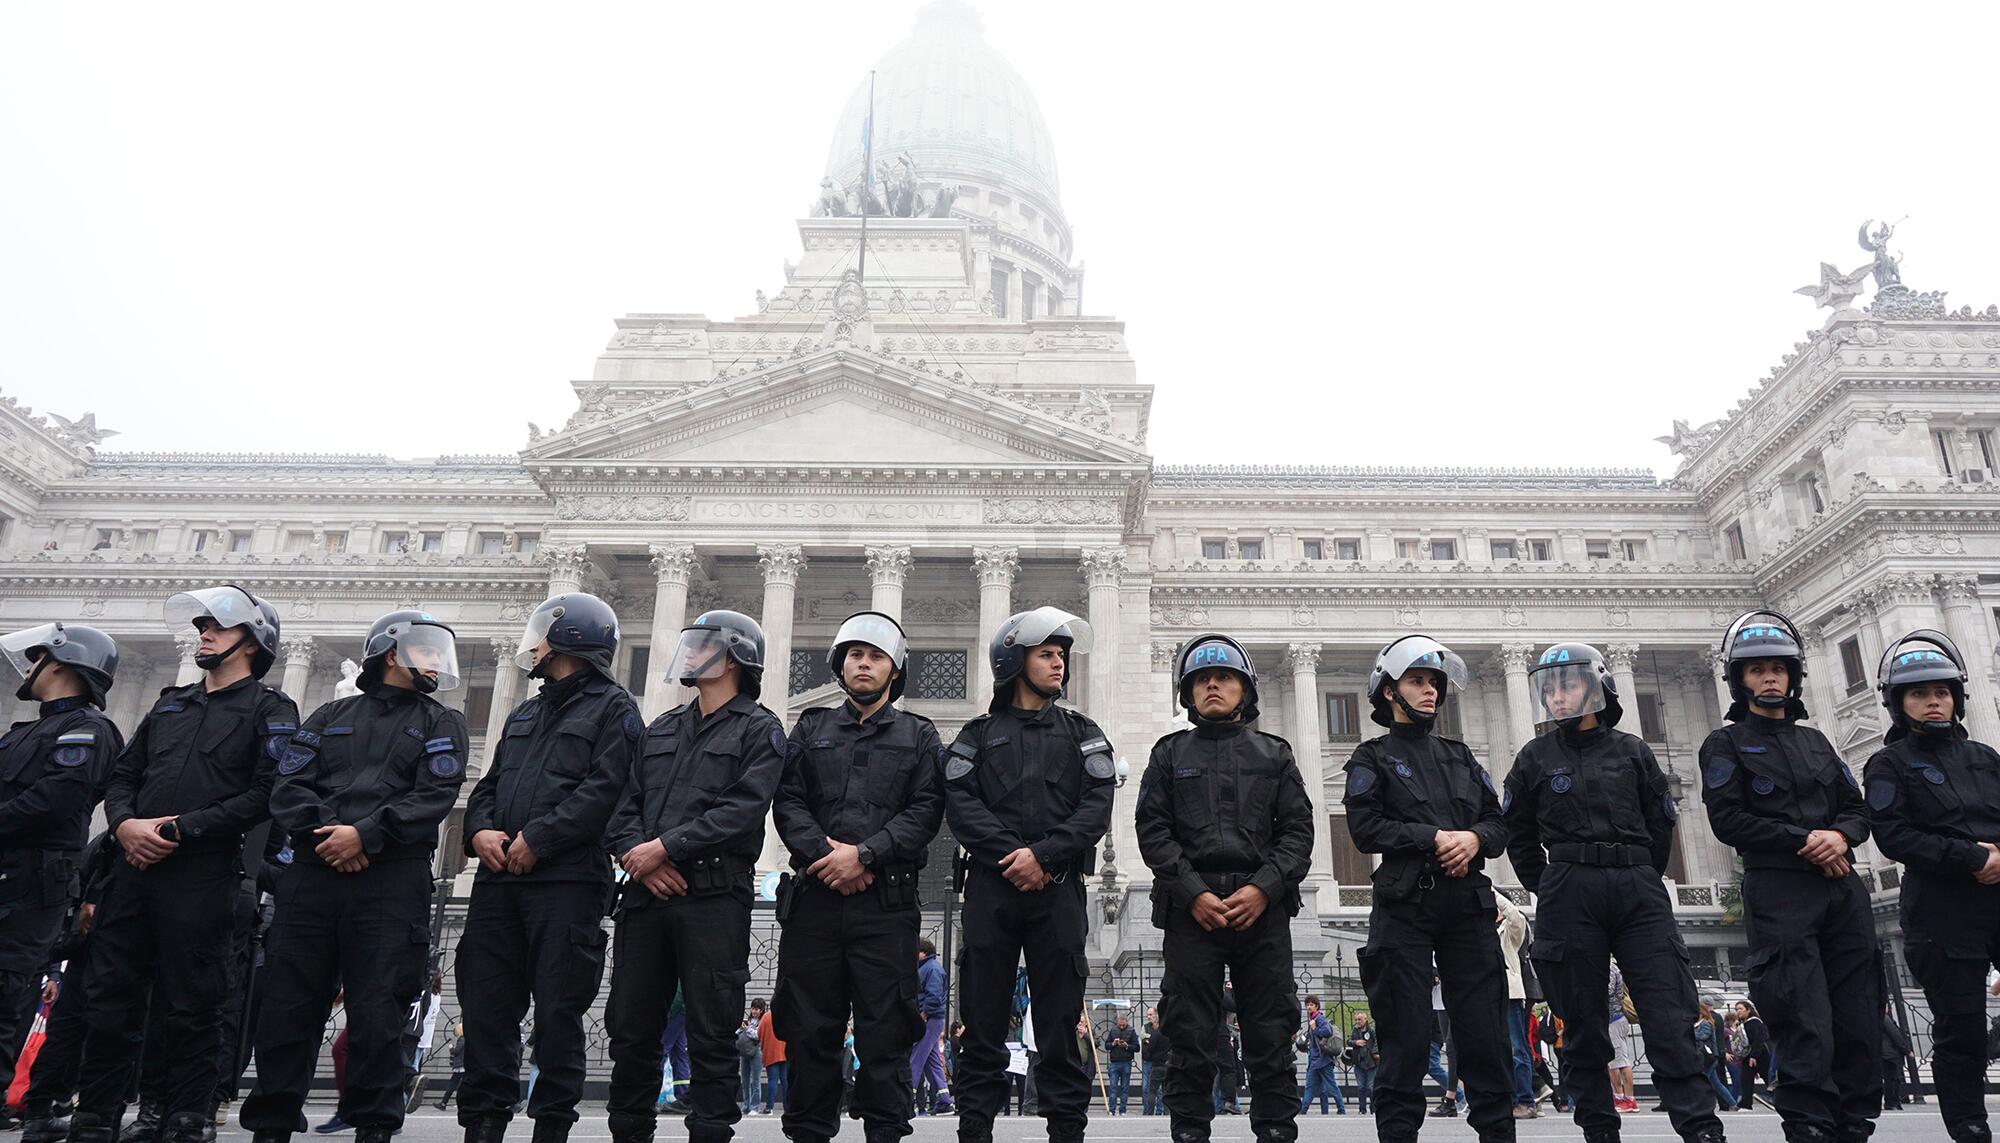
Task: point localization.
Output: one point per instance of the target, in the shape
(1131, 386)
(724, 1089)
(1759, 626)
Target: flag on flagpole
(868, 138)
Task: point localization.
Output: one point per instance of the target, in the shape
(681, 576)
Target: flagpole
(867, 183)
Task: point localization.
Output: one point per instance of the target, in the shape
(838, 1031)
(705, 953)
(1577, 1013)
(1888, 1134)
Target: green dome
(949, 101)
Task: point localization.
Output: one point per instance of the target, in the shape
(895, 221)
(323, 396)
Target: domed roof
(950, 102)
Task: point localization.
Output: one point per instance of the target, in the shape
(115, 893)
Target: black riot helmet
(1763, 635)
(1021, 633)
(1922, 656)
(574, 623)
(420, 643)
(1214, 651)
(713, 636)
(1413, 653)
(90, 653)
(1552, 686)
(880, 632)
(228, 606)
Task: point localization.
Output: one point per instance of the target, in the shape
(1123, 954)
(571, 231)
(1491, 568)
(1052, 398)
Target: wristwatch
(169, 830)
(866, 854)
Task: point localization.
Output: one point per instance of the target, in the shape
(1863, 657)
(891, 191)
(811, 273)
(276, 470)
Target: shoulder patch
(280, 727)
(306, 738)
(445, 765)
(1361, 779)
(633, 728)
(68, 756)
(77, 738)
(777, 740)
(438, 745)
(1485, 779)
(959, 760)
(1507, 800)
(1095, 745)
(296, 758)
(1881, 794)
(283, 856)
(1721, 769)
(1668, 807)
(1100, 765)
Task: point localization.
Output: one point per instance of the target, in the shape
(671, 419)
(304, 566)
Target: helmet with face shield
(1922, 656)
(1024, 631)
(1571, 681)
(873, 629)
(225, 607)
(422, 645)
(574, 623)
(1214, 652)
(1755, 636)
(1400, 657)
(714, 638)
(88, 652)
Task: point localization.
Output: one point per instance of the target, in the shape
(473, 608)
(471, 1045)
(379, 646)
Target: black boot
(87, 1128)
(271, 1137)
(145, 1128)
(372, 1134)
(1963, 1133)
(188, 1127)
(1712, 1135)
(551, 1131)
(486, 1129)
(1610, 1136)
(44, 1129)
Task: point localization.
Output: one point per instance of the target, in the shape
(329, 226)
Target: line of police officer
(1223, 817)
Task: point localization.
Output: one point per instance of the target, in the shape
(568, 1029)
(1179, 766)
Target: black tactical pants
(160, 930)
(840, 953)
(362, 934)
(1951, 933)
(702, 945)
(52, 1081)
(527, 940)
(1449, 923)
(1816, 979)
(1259, 961)
(1585, 915)
(34, 895)
(1002, 923)
(239, 1028)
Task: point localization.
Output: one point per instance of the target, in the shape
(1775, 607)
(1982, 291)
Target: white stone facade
(934, 452)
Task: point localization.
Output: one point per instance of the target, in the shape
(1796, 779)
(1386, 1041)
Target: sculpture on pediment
(1685, 441)
(82, 431)
(534, 432)
(1835, 289)
(899, 186)
(832, 202)
(946, 195)
(1877, 243)
(849, 303)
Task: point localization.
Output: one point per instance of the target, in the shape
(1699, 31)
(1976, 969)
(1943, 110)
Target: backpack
(1704, 1039)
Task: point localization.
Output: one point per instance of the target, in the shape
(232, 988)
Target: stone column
(996, 568)
(1101, 569)
(673, 565)
(782, 564)
(298, 652)
(567, 564)
(1965, 621)
(130, 696)
(506, 692)
(1718, 675)
(1823, 686)
(187, 644)
(1703, 858)
(1302, 659)
(1520, 715)
(1623, 657)
(887, 569)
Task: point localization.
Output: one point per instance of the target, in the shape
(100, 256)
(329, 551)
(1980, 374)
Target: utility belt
(1600, 853)
(716, 873)
(36, 876)
(1166, 900)
(1405, 877)
(304, 850)
(1787, 861)
(894, 888)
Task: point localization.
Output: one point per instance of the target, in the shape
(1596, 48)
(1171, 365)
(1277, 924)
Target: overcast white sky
(1339, 234)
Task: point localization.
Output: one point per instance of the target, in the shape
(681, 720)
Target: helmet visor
(1044, 623)
(1561, 691)
(17, 646)
(1921, 657)
(426, 648)
(1209, 653)
(225, 606)
(700, 654)
(878, 631)
(1763, 635)
(533, 635)
(1421, 652)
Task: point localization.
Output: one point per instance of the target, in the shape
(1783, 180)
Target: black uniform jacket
(205, 759)
(1581, 786)
(556, 775)
(1934, 798)
(1769, 782)
(389, 763)
(1224, 799)
(50, 772)
(701, 785)
(1405, 786)
(1042, 779)
(878, 783)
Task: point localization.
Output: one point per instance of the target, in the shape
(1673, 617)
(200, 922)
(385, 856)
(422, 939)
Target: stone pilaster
(187, 643)
(673, 566)
(1623, 658)
(996, 568)
(888, 568)
(506, 693)
(1302, 662)
(1966, 623)
(297, 652)
(1514, 657)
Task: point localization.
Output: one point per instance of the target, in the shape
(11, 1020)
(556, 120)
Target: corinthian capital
(570, 560)
(782, 563)
(1515, 656)
(996, 567)
(672, 562)
(1303, 658)
(1622, 656)
(889, 566)
(1102, 567)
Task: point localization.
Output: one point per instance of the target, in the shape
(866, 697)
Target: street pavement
(1918, 1122)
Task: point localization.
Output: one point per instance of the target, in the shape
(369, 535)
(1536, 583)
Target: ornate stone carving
(1512, 615)
(673, 562)
(1514, 657)
(600, 506)
(1835, 290)
(888, 566)
(996, 567)
(941, 609)
(1102, 567)
(1180, 615)
(1622, 656)
(503, 652)
(1408, 617)
(1302, 658)
(1885, 265)
(1163, 654)
(1034, 510)
(781, 563)
(569, 561)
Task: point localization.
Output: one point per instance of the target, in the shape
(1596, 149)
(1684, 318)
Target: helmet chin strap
(211, 662)
(695, 676)
(1421, 718)
(421, 683)
(1770, 702)
(26, 691)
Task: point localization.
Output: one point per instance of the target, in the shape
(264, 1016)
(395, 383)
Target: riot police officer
(1028, 789)
(194, 779)
(861, 799)
(1779, 793)
(360, 793)
(536, 823)
(51, 768)
(1597, 799)
(1427, 806)
(687, 833)
(1226, 827)
(1935, 798)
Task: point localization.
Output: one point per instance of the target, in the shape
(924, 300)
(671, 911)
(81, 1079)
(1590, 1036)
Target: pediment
(837, 407)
